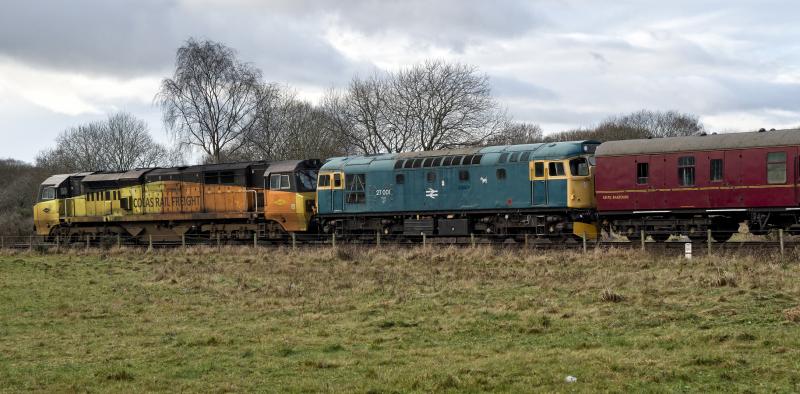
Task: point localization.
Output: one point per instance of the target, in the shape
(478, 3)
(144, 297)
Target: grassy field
(421, 320)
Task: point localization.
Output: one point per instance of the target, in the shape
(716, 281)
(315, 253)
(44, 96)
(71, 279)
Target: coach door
(538, 177)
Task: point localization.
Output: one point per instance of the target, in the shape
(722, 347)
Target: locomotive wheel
(721, 236)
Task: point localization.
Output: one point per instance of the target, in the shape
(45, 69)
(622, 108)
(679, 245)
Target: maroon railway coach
(687, 185)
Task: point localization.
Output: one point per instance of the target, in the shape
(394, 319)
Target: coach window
(463, 175)
(503, 157)
(686, 171)
(324, 180)
(716, 170)
(556, 169)
(337, 181)
(578, 167)
(501, 174)
(399, 179)
(538, 170)
(642, 173)
(355, 184)
(431, 176)
(776, 167)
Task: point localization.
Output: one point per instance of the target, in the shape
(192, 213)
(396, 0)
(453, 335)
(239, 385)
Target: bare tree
(517, 133)
(127, 144)
(636, 125)
(429, 106)
(450, 104)
(120, 143)
(212, 99)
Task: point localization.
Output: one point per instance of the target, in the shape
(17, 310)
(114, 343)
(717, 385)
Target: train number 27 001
(383, 192)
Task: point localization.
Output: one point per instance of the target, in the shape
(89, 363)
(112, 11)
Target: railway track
(311, 241)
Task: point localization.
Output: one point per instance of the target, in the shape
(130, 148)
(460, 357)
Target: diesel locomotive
(560, 191)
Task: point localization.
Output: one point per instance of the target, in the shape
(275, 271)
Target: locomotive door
(337, 192)
(538, 177)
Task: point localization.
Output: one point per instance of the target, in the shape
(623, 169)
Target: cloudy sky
(558, 63)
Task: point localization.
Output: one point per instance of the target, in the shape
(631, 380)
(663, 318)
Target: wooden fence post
(423, 240)
(30, 243)
(119, 241)
(87, 241)
(780, 237)
(255, 239)
(149, 242)
(642, 238)
(294, 241)
(183, 241)
(472, 239)
(708, 242)
(333, 240)
(584, 241)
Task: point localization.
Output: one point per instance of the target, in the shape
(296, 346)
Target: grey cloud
(507, 87)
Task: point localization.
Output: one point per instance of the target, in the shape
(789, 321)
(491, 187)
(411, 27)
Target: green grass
(421, 320)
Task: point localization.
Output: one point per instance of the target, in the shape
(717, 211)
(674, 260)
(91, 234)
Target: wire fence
(652, 241)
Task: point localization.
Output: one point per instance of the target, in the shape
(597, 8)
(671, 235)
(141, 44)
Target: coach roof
(790, 137)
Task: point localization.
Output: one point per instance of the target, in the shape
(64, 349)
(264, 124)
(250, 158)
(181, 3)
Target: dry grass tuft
(609, 295)
(723, 279)
(792, 314)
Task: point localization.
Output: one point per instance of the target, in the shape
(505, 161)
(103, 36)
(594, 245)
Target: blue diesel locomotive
(540, 189)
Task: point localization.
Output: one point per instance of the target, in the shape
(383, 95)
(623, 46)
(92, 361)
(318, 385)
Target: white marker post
(687, 250)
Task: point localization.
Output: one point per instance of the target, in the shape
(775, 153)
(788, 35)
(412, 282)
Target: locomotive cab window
(556, 169)
(227, 178)
(642, 173)
(776, 167)
(324, 180)
(306, 180)
(337, 181)
(715, 167)
(279, 182)
(538, 169)
(48, 193)
(686, 171)
(356, 186)
(579, 167)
